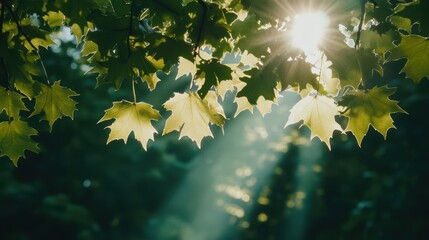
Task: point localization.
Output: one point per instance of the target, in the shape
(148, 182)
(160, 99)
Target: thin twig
(2, 64)
(130, 30)
(200, 33)
(361, 69)
(16, 20)
(167, 7)
(1, 17)
(44, 68)
(362, 16)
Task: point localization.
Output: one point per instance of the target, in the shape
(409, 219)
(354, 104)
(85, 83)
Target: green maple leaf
(215, 72)
(192, 115)
(379, 42)
(370, 108)
(262, 82)
(351, 65)
(55, 102)
(297, 72)
(12, 103)
(130, 117)
(318, 113)
(15, 139)
(117, 71)
(416, 49)
(54, 19)
(415, 11)
(21, 69)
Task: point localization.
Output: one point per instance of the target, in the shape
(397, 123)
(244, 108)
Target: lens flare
(308, 30)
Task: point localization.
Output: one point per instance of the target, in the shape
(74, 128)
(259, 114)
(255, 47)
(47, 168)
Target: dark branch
(362, 16)
(16, 20)
(1, 17)
(20, 30)
(130, 27)
(167, 7)
(201, 29)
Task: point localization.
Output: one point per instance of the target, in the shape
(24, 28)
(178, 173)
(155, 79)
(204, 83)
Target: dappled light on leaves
(224, 55)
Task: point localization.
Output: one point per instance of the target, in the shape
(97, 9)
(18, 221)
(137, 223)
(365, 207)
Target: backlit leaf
(129, 117)
(415, 49)
(318, 113)
(370, 108)
(12, 103)
(15, 139)
(191, 115)
(54, 102)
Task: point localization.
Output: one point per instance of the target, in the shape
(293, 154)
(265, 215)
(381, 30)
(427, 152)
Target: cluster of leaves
(238, 46)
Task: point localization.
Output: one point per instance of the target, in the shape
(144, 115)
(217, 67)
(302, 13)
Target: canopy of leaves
(241, 46)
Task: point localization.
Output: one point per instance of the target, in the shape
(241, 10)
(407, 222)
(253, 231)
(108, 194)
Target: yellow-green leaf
(11, 102)
(416, 49)
(318, 113)
(192, 115)
(55, 19)
(15, 139)
(130, 117)
(370, 108)
(55, 102)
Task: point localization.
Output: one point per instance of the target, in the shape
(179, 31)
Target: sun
(308, 30)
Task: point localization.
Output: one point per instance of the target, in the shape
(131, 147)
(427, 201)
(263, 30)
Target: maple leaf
(318, 113)
(262, 82)
(130, 117)
(185, 67)
(215, 72)
(297, 72)
(416, 49)
(370, 108)
(11, 102)
(414, 11)
(55, 102)
(192, 115)
(351, 65)
(15, 139)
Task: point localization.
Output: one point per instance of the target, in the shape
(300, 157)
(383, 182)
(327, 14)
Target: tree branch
(167, 7)
(130, 27)
(201, 29)
(16, 20)
(2, 17)
(20, 30)
(362, 16)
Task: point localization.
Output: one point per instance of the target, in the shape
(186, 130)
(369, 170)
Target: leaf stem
(361, 69)
(134, 90)
(16, 20)
(320, 72)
